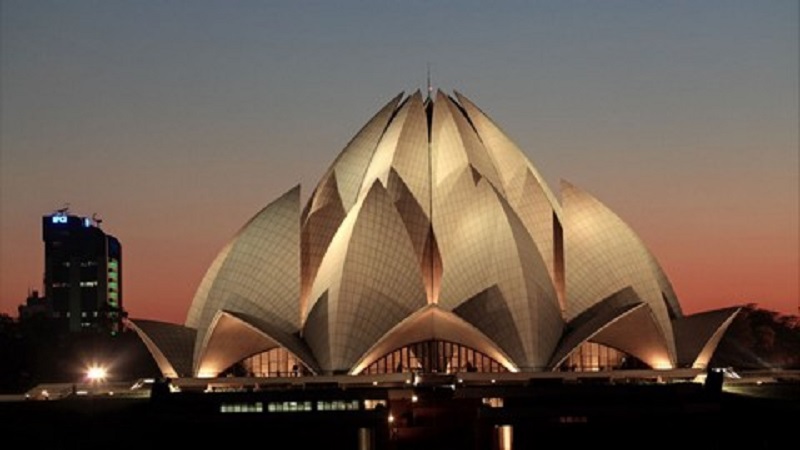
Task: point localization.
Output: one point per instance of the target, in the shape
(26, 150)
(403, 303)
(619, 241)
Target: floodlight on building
(96, 373)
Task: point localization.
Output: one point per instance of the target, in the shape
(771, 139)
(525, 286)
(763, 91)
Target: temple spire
(430, 88)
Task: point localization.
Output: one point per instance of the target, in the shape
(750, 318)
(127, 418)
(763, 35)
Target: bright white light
(414, 398)
(96, 373)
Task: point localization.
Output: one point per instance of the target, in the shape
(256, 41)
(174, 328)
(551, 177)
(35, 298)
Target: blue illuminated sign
(59, 219)
(87, 222)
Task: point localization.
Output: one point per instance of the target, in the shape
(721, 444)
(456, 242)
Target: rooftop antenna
(430, 88)
(63, 209)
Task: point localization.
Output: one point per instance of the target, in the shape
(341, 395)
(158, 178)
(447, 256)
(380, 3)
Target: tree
(760, 339)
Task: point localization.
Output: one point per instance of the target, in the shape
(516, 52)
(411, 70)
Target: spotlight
(96, 373)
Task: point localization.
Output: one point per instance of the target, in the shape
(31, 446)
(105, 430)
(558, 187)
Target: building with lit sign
(433, 245)
(82, 273)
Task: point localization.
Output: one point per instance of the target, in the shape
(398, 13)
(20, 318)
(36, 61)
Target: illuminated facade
(432, 244)
(82, 274)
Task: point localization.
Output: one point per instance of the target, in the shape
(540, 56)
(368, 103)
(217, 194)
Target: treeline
(760, 339)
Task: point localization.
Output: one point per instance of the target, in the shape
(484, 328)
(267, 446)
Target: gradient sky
(177, 121)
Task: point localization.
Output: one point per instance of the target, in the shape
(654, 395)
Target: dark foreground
(607, 416)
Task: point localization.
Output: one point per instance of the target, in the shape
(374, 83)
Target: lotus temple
(433, 245)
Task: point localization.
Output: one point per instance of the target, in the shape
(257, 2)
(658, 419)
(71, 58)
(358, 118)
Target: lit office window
(337, 405)
(281, 407)
(372, 404)
(493, 402)
(228, 408)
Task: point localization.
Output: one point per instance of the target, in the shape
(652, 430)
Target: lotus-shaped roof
(432, 225)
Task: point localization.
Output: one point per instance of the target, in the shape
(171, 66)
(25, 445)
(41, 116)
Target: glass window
(594, 357)
(434, 356)
(277, 362)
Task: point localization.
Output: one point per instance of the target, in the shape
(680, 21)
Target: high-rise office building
(83, 273)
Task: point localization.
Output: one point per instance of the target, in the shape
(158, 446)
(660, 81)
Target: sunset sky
(176, 121)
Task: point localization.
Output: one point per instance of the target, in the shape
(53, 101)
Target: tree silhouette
(760, 339)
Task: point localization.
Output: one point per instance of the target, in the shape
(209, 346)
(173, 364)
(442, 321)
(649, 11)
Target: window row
(434, 356)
